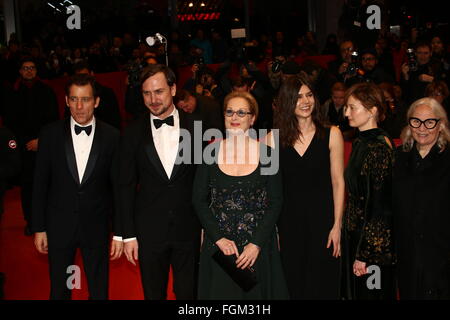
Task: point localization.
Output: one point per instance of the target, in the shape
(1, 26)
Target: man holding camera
(340, 67)
(416, 75)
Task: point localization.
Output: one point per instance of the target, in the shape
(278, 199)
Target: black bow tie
(158, 122)
(78, 129)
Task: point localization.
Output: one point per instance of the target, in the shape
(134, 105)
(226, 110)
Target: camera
(200, 61)
(276, 65)
(134, 70)
(353, 66)
(412, 62)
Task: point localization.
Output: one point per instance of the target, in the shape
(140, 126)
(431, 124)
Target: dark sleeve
(201, 198)
(266, 226)
(127, 182)
(10, 156)
(375, 244)
(114, 177)
(52, 107)
(215, 116)
(42, 175)
(111, 112)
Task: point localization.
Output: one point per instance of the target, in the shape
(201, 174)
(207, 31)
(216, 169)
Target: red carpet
(26, 270)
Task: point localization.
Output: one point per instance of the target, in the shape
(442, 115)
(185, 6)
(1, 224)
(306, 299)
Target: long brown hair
(284, 116)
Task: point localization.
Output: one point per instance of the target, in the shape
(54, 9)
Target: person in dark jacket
(108, 109)
(421, 188)
(33, 106)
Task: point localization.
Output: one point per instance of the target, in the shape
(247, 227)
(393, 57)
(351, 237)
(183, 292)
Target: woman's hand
(335, 238)
(248, 256)
(228, 247)
(359, 268)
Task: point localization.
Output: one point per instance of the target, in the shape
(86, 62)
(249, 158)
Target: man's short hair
(181, 95)
(80, 65)
(27, 59)
(152, 69)
(81, 80)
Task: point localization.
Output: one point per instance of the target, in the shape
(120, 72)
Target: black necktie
(158, 122)
(78, 129)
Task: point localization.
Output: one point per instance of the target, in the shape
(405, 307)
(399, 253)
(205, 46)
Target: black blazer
(421, 190)
(67, 210)
(155, 208)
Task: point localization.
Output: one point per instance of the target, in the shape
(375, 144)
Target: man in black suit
(32, 106)
(108, 110)
(74, 189)
(159, 223)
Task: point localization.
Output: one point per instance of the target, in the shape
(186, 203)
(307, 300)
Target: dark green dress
(243, 209)
(367, 230)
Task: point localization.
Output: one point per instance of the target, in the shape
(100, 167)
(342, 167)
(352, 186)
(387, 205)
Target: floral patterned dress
(367, 229)
(243, 209)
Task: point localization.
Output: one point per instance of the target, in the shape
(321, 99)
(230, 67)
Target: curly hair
(284, 116)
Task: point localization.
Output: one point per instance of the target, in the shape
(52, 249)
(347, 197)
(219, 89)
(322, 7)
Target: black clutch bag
(245, 278)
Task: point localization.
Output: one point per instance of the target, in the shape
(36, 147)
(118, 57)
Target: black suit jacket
(154, 208)
(70, 211)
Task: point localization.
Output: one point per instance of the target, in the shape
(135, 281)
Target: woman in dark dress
(312, 165)
(238, 203)
(367, 234)
(421, 190)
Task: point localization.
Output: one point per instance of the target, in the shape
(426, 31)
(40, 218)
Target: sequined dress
(244, 209)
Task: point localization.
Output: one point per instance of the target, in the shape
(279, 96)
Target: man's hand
(116, 249)
(343, 67)
(426, 78)
(32, 145)
(405, 71)
(131, 251)
(40, 241)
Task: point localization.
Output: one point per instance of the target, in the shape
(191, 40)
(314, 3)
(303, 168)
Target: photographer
(368, 70)
(417, 74)
(339, 68)
(134, 103)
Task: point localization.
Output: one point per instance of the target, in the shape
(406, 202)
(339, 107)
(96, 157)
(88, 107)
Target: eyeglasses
(82, 99)
(240, 113)
(28, 68)
(428, 123)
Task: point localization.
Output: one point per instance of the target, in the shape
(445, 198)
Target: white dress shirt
(82, 144)
(166, 139)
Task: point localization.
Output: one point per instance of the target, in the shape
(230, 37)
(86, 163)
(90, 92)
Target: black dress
(421, 191)
(243, 209)
(367, 228)
(306, 220)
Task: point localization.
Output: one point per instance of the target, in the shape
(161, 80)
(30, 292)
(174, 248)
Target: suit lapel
(183, 125)
(95, 151)
(150, 149)
(70, 153)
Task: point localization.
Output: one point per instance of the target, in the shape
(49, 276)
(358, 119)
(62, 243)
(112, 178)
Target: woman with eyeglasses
(238, 200)
(367, 245)
(312, 165)
(421, 190)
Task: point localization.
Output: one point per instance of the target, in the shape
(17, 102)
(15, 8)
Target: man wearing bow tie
(74, 190)
(160, 228)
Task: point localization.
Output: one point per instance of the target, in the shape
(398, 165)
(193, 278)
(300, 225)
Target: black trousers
(155, 261)
(95, 261)
(26, 183)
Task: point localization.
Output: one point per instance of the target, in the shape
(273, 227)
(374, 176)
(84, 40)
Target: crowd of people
(311, 230)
